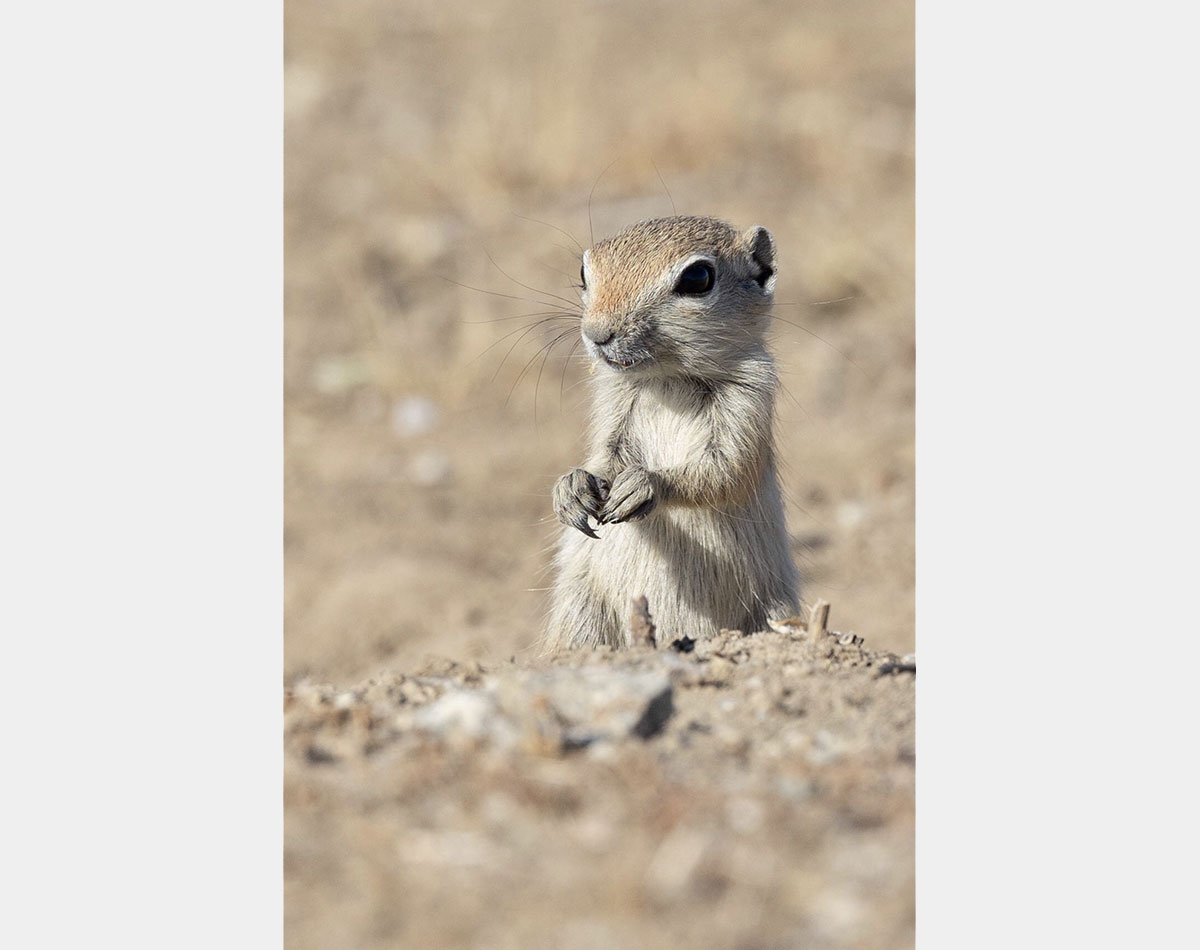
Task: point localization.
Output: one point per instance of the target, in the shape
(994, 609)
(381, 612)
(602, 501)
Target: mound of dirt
(746, 791)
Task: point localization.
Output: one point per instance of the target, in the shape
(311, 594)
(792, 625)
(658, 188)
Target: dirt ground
(766, 802)
(431, 145)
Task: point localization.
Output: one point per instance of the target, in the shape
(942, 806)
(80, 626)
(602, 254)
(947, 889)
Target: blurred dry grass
(417, 133)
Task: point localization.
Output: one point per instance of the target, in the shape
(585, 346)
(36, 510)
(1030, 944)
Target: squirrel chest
(667, 429)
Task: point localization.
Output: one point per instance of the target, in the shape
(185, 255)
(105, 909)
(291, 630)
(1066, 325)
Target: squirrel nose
(597, 335)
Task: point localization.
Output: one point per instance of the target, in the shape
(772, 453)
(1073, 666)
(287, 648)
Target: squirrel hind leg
(583, 621)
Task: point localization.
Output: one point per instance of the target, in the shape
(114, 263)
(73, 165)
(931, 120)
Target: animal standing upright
(680, 480)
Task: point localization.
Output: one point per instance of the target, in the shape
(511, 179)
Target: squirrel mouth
(620, 362)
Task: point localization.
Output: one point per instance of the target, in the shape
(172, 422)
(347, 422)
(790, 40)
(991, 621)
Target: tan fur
(680, 480)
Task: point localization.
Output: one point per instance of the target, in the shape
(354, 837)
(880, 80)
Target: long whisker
(541, 369)
(822, 303)
(536, 323)
(822, 340)
(495, 293)
(566, 364)
(544, 293)
(665, 188)
(517, 316)
(591, 232)
(547, 347)
(514, 346)
(563, 247)
(555, 270)
(547, 224)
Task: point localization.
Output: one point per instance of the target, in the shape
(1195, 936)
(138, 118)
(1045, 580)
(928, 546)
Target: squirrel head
(677, 296)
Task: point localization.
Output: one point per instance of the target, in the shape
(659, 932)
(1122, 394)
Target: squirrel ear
(761, 247)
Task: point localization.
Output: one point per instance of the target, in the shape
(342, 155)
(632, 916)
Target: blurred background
(444, 161)
(432, 144)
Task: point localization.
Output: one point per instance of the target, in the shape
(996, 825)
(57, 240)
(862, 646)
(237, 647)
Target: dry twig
(640, 622)
(818, 620)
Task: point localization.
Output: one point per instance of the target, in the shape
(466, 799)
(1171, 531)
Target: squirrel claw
(577, 495)
(586, 528)
(630, 499)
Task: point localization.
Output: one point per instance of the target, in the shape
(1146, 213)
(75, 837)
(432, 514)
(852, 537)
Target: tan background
(419, 136)
(776, 808)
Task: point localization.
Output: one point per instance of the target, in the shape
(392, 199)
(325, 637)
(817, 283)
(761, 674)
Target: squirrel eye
(582, 279)
(696, 279)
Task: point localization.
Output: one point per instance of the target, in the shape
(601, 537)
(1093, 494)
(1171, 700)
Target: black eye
(696, 280)
(582, 279)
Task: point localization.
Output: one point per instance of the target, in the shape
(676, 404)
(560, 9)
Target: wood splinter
(818, 620)
(640, 622)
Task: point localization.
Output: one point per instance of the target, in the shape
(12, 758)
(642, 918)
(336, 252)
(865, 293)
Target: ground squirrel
(680, 478)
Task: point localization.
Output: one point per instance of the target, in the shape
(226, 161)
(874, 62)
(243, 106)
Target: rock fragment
(588, 704)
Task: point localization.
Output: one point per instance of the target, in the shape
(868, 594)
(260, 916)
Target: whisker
(665, 188)
(497, 342)
(566, 365)
(547, 224)
(544, 293)
(518, 316)
(509, 353)
(541, 369)
(578, 382)
(815, 303)
(591, 231)
(495, 293)
(561, 336)
(563, 247)
(561, 273)
(526, 329)
(823, 340)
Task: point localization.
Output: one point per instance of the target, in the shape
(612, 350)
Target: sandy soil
(769, 805)
(421, 137)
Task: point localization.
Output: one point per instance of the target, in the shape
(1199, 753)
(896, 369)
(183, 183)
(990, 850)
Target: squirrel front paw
(578, 494)
(631, 497)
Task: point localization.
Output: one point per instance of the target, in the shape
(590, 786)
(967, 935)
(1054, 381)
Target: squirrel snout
(598, 335)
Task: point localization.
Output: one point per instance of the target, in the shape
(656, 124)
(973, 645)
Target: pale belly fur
(701, 570)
